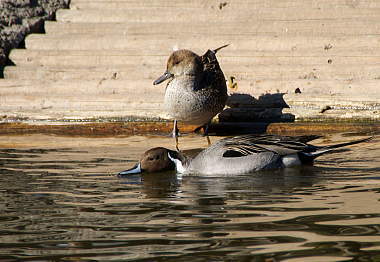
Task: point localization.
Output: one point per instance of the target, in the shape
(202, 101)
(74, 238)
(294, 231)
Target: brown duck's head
(154, 160)
(181, 62)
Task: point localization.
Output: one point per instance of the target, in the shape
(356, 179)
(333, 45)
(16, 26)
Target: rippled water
(60, 201)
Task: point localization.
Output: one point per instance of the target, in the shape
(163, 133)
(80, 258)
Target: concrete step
(159, 56)
(182, 14)
(248, 60)
(83, 72)
(123, 4)
(112, 4)
(80, 99)
(251, 3)
(142, 90)
(33, 108)
(137, 90)
(238, 42)
(306, 28)
(82, 111)
(239, 71)
(110, 98)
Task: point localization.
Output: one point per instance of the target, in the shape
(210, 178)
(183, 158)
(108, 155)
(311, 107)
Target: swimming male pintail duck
(237, 155)
(196, 90)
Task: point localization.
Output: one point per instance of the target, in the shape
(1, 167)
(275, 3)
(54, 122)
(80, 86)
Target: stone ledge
(109, 129)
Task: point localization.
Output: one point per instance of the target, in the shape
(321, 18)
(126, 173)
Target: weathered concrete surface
(287, 60)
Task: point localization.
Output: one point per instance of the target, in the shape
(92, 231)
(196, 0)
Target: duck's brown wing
(212, 73)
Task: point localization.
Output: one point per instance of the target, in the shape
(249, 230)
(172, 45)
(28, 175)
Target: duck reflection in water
(237, 155)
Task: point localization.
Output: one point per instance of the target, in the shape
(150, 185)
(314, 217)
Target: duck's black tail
(320, 150)
(217, 49)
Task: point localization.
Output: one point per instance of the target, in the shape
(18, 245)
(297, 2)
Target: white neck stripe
(178, 164)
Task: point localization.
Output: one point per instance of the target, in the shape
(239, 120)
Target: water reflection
(63, 204)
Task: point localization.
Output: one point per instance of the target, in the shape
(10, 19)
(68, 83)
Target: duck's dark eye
(153, 158)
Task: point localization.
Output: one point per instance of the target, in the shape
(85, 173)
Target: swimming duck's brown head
(181, 62)
(154, 160)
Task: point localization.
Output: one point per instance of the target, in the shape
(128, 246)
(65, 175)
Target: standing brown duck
(196, 90)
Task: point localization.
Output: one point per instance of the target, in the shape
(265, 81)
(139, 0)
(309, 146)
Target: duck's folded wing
(253, 144)
(212, 72)
(209, 59)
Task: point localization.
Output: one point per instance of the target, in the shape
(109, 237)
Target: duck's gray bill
(162, 78)
(134, 170)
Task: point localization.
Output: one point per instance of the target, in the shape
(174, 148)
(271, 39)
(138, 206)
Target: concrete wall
(289, 60)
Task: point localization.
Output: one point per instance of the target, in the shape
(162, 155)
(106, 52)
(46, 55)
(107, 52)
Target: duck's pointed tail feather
(217, 49)
(325, 149)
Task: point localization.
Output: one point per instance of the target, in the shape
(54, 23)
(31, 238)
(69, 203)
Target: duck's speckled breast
(193, 105)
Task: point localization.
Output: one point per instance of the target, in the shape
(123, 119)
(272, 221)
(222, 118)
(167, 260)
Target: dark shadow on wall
(247, 114)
